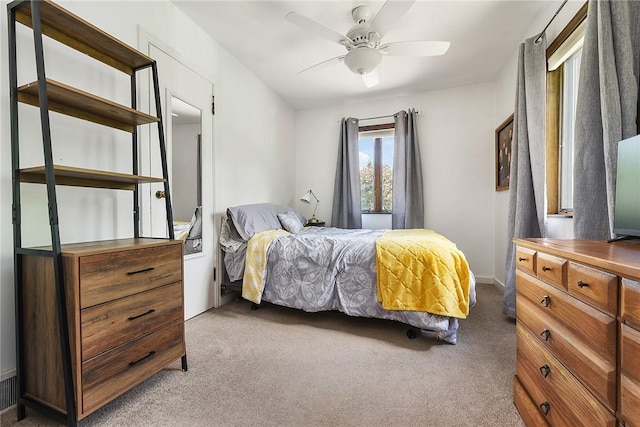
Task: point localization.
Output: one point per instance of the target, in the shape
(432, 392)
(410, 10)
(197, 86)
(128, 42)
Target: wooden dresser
(577, 332)
(126, 319)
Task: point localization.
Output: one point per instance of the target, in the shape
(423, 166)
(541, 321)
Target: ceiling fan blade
(389, 15)
(322, 64)
(317, 28)
(415, 48)
(371, 78)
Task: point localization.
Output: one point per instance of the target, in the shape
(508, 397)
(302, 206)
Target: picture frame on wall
(504, 136)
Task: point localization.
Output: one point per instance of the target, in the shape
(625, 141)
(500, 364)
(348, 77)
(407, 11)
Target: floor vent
(8, 395)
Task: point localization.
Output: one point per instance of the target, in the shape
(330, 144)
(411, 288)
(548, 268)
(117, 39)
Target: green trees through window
(376, 168)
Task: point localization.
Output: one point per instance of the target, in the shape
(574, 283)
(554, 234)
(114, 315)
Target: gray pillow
(251, 219)
(291, 222)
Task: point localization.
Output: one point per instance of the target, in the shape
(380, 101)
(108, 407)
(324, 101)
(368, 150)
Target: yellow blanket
(421, 270)
(255, 267)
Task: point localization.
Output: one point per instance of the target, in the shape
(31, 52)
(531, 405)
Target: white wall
(254, 130)
(455, 128)
(505, 102)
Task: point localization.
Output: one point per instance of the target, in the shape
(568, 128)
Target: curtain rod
(382, 117)
(378, 117)
(550, 21)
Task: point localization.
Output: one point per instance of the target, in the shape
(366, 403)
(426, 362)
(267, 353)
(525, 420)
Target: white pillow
(290, 222)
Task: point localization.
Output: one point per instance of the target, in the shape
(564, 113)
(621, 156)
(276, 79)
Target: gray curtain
(606, 113)
(347, 209)
(527, 198)
(408, 198)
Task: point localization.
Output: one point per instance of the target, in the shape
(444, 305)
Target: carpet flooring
(284, 367)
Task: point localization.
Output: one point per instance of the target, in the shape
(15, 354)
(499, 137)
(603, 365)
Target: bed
(275, 259)
(190, 232)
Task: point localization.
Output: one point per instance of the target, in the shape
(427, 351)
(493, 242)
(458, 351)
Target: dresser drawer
(552, 270)
(529, 411)
(108, 325)
(560, 397)
(596, 372)
(526, 259)
(596, 287)
(630, 376)
(108, 276)
(591, 326)
(630, 302)
(118, 370)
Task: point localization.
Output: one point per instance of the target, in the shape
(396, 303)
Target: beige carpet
(284, 367)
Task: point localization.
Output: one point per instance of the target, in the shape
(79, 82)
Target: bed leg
(412, 334)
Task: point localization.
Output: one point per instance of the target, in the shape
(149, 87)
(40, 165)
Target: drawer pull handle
(545, 370)
(522, 259)
(135, 362)
(143, 314)
(582, 284)
(545, 301)
(545, 407)
(545, 268)
(545, 334)
(144, 270)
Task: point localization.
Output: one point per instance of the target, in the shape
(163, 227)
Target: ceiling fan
(363, 40)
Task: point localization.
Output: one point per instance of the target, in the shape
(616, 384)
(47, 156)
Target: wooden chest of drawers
(578, 338)
(125, 313)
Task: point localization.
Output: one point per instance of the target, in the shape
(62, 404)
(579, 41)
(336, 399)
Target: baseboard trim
(485, 280)
(498, 284)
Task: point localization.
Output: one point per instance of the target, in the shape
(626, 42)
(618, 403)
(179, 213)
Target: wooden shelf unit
(55, 376)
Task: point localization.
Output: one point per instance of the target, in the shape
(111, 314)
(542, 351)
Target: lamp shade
(306, 197)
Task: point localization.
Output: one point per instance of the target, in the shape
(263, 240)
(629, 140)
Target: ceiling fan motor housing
(361, 14)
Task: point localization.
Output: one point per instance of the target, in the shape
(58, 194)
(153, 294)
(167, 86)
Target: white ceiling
(483, 35)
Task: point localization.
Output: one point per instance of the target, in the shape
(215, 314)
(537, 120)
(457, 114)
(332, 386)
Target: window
(563, 60)
(376, 167)
(570, 76)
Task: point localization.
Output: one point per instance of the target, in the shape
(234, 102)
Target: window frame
(554, 116)
(377, 164)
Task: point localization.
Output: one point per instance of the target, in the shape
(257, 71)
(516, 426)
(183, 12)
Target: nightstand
(315, 224)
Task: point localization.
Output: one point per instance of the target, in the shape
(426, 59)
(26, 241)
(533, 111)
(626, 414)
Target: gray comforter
(322, 269)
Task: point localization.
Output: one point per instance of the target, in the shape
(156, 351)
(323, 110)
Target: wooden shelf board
(73, 102)
(78, 177)
(75, 32)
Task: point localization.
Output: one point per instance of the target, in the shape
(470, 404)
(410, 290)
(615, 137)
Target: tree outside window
(376, 168)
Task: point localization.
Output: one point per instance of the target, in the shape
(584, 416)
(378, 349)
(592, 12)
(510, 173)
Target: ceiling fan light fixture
(362, 60)
(371, 79)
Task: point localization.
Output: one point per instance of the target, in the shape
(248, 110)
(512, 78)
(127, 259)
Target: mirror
(186, 174)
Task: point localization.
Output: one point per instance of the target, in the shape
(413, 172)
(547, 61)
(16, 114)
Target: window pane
(366, 174)
(387, 173)
(569, 102)
(376, 170)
